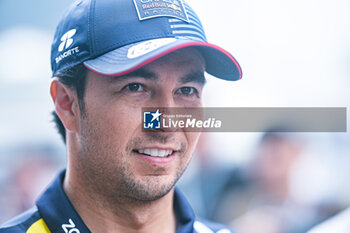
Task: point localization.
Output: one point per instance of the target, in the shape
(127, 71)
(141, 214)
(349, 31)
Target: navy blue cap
(115, 37)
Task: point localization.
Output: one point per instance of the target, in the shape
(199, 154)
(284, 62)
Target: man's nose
(168, 106)
(166, 100)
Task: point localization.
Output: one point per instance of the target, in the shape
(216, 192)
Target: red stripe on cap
(172, 50)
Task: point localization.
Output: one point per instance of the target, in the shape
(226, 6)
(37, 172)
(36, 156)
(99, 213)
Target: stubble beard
(111, 180)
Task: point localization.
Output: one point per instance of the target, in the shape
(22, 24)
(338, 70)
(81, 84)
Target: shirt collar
(56, 209)
(184, 214)
(59, 213)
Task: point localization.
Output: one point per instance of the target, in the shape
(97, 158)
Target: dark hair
(75, 78)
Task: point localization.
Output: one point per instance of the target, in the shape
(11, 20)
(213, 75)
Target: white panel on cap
(148, 46)
(201, 228)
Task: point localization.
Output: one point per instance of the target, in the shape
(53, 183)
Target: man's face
(115, 156)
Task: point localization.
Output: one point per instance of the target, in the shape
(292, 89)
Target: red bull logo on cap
(147, 9)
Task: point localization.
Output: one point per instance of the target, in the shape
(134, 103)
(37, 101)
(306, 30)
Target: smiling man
(111, 58)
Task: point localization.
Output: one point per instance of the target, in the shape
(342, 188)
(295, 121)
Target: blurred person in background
(109, 59)
(257, 200)
(31, 176)
(32, 169)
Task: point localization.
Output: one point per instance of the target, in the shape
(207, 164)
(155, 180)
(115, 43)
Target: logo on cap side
(147, 9)
(66, 40)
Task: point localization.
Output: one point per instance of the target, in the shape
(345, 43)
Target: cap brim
(219, 62)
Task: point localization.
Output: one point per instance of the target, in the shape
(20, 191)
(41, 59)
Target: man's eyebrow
(139, 73)
(196, 76)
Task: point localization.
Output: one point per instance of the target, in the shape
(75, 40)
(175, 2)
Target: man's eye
(134, 87)
(187, 91)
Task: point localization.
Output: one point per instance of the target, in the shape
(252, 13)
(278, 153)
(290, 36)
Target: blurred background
(293, 54)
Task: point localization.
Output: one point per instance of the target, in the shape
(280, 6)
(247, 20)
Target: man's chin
(150, 190)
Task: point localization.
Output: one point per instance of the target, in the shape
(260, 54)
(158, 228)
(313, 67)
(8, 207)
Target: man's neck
(121, 215)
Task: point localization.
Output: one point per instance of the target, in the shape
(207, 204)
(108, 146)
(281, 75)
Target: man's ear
(66, 104)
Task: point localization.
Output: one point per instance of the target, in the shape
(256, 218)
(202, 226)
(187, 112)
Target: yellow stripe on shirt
(38, 227)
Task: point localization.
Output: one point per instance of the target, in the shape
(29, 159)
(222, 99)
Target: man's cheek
(192, 139)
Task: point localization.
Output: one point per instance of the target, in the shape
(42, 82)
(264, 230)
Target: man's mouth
(155, 152)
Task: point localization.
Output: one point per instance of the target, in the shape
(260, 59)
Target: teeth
(162, 153)
(156, 152)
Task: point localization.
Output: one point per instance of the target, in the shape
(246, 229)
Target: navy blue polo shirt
(54, 213)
